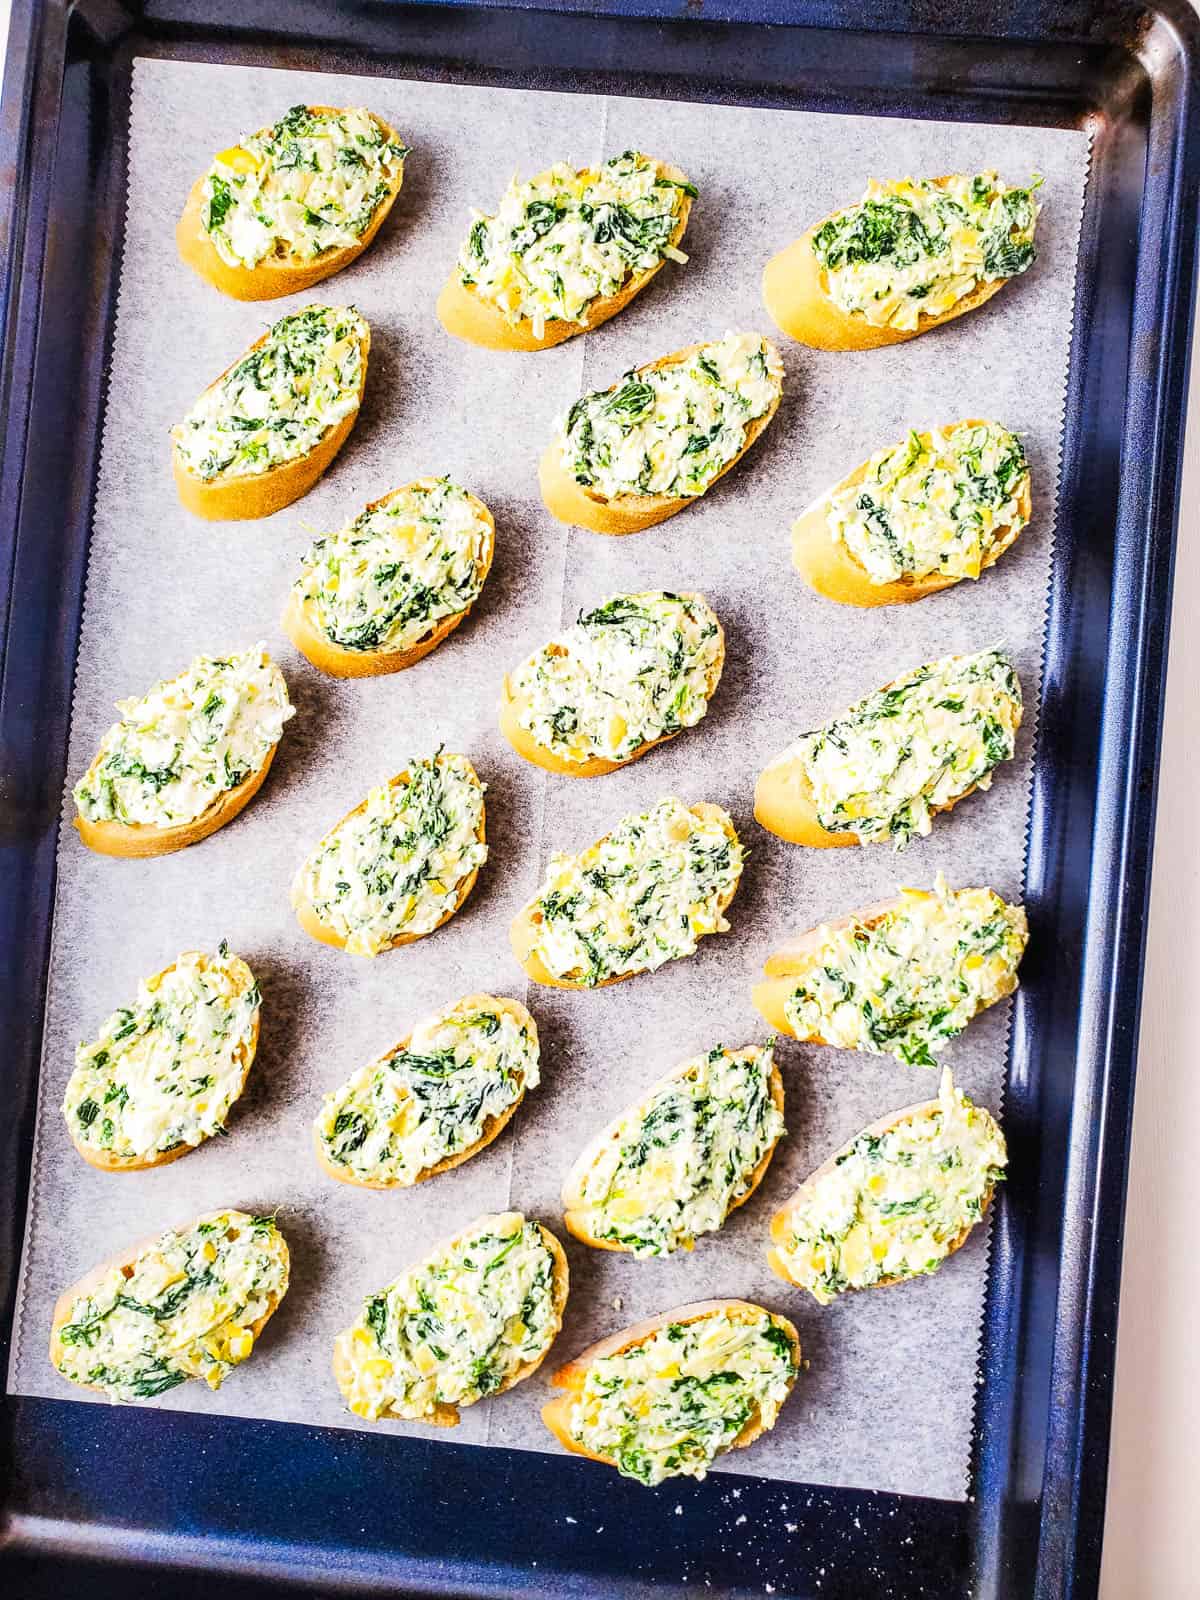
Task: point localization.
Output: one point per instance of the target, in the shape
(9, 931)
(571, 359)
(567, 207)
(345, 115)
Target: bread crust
(829, 568)
(512, 705)
(572, 503)
(307, 917)
(574, 1206)
(300, 618)
(795, 293)
(274, 276)
(556, 1414)
(262, 494)
(95, 1277)
(141, 839)
(445, 1415)
(522, 932)
(492, 1127)
(466, 314)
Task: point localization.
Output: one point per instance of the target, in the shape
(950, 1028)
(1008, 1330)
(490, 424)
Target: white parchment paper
(887, 1402)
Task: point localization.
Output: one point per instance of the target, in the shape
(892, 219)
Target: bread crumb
(617, 1302)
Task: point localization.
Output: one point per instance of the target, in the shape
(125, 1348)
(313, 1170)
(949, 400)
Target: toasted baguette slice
(574, 503)
(126, 1262)
(492, 1125)
(468, 315)
(444, 1414)
(284, 272)
(829, 567)
(302, 624)
(556, 1414)
(244, 498)
(576, 1210)
(950, 1102)
(524, 931)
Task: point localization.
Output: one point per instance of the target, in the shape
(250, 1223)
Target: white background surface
(1154, 1476)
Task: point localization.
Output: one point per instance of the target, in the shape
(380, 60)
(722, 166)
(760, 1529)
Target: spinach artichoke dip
(671, 429)
(667, 1406)
(186, 1307)
(895, 1204)
(567, 238)
(164, 1071)
(636, 669)
(432, 1098)
(395, 867)
(187, 741)
(457, 1327)
(645, 894)
(310, 183)
(884, 767)
(280, 399)
(919, 246)
(383, 581)
(677, 1164)
(941, 505)
(908, 981)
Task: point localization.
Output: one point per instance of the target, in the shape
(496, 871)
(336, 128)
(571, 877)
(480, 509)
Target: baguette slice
(247, 498)
(274, 275)
(468, 315)
(573, 503)
(493, 1126)
(556, 1414)
(828, 567)
(302, 625)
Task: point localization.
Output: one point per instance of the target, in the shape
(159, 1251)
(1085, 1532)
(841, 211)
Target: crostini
(262, 433)
(889, 764)
(633, 455)
(162, 1074)
(917, 517)
(631, 673)
(910, 255)
(894, 1202)
(646, 893)
(293, 203)
(185, 758)
(400, 864)
(901, 978)
(674, 1165)
(188, 1304)
(385, 590)
(565, 251)
(435, 1100)
(665, 1398)
(472, 1319)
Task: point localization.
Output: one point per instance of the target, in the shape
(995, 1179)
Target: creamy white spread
(280, 399)
(944, 504)
(670, 430)
(882, 768)
(908, 981)
(164, 1071)
(454, 1328)
(914, 246)
(397, 864)
(187, 741)
(184, 1308)
(677, 1163)
(384, 581)
(568, 237)
(431, 1098)
(645, 894)
(636, 669)
(669, 1405)
(893, 1204)
(310, 183)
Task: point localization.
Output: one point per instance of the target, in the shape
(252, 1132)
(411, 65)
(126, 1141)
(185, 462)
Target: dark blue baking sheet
(172, 1504)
